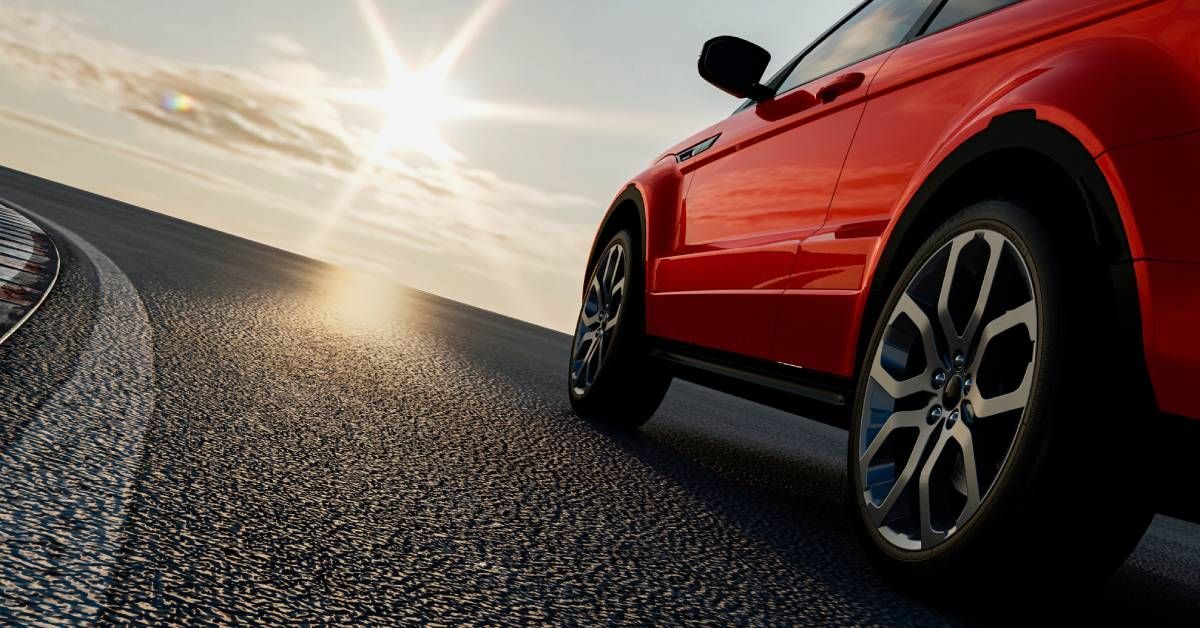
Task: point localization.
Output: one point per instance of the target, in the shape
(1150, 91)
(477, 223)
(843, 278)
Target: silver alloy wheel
(945, 406)
(598, 317)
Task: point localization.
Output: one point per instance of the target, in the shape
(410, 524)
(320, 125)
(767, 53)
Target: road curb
(29, 265)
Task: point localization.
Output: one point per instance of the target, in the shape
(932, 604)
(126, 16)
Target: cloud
(282, 45)
(236, 110)
(275, 118)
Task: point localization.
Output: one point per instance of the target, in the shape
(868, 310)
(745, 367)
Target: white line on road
(66, 483)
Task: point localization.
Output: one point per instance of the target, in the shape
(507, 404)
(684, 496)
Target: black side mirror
(736, 66)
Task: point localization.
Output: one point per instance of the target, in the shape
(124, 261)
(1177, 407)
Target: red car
(967, 230)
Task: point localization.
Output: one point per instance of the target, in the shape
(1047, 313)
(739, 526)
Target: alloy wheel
(947, 390)
(598, 317)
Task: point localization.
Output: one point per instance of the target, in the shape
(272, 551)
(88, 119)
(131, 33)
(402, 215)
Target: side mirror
(735, 66)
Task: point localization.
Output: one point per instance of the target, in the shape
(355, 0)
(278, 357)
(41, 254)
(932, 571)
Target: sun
(415, 102)
(415, 106)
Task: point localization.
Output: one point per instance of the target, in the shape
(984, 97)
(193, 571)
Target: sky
(466, 148)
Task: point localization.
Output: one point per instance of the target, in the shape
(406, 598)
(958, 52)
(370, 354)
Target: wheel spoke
(985, 407)
(598, 290)
(617, 259)
(608, 270)
(588, 336)
(617, 289)
(962, 435)
(1023, 315)
(914, 418)
(592, 360)
(590, 352)
(604, 270)
(582, 356)
(895, 388)
(900, 389)
(929, 536)
(589, 320)
(943, 303)
(898, 420)
(602, 347)
(996, 246)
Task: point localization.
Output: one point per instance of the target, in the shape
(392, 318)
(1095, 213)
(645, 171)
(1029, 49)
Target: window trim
(780, 76)
(941, 4)
(919, 30)
(776, 81)
(782, 73)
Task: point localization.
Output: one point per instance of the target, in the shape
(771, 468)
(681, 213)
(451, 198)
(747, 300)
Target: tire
(1052, 491)
(611, 377)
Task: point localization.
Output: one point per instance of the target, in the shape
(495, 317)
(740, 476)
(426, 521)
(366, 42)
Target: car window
(955, 12)
(879, 26)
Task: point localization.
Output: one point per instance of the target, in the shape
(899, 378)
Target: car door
(763, 182)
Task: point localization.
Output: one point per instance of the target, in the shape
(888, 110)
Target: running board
(817, 396)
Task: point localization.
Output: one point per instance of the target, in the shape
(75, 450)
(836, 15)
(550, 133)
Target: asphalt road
(198, 427)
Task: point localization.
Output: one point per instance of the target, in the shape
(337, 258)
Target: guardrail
(28, 269)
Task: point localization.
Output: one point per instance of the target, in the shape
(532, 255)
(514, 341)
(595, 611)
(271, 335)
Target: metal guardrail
(28, 268)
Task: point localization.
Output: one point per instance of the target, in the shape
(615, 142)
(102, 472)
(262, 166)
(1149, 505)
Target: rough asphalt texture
(304, 463)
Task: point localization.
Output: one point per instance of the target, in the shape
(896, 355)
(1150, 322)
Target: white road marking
(66, 483)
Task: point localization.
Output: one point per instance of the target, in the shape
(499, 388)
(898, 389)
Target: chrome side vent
(696, 149)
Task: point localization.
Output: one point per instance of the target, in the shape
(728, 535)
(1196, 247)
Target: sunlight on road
(360, 303)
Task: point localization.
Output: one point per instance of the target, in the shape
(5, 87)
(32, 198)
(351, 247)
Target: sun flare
(416, 106)
(415, 102)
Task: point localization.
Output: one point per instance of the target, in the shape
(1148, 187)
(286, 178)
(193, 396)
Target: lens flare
(178, 103)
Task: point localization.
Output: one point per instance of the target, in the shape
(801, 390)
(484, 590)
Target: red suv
(967, 231)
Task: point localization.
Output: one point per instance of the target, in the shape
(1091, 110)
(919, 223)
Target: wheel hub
(952, 393)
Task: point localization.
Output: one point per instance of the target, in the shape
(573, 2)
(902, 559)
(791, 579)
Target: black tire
(626, 385)
(1066, 503)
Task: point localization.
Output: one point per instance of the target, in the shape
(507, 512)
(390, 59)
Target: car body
(1097, 81)
(770, 240)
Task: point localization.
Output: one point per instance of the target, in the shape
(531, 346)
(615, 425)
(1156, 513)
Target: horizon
(298, 129)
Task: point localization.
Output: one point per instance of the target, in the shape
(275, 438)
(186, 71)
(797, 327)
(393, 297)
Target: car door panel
(762, 187)
(928, 86)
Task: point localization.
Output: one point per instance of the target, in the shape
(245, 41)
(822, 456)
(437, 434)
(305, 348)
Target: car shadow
(781, 481)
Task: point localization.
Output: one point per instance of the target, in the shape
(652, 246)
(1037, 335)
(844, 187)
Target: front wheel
(987, 450)
(611, 377)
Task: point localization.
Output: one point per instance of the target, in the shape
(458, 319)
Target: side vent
(696, 149)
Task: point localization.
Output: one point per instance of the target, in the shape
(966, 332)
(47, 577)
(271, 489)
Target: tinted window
(879, 26)
(958, 11)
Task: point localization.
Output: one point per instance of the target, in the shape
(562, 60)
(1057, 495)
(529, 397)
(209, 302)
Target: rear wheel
(986, 450)
(611, 377)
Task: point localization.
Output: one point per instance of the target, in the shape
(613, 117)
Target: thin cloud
(282, 122)
(282, 45)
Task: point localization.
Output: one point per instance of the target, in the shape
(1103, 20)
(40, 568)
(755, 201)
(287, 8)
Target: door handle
(843, 84)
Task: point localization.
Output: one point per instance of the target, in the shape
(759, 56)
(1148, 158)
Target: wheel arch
(627, 211)
(1042, 162)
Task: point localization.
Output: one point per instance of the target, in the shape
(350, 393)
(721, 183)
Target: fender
(1062, 108)
(1143, 94)
(656, 195)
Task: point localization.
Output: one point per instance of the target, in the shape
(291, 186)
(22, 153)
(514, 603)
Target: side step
(817, 396)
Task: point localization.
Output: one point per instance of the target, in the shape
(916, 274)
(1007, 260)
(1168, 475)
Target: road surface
(197, 427)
